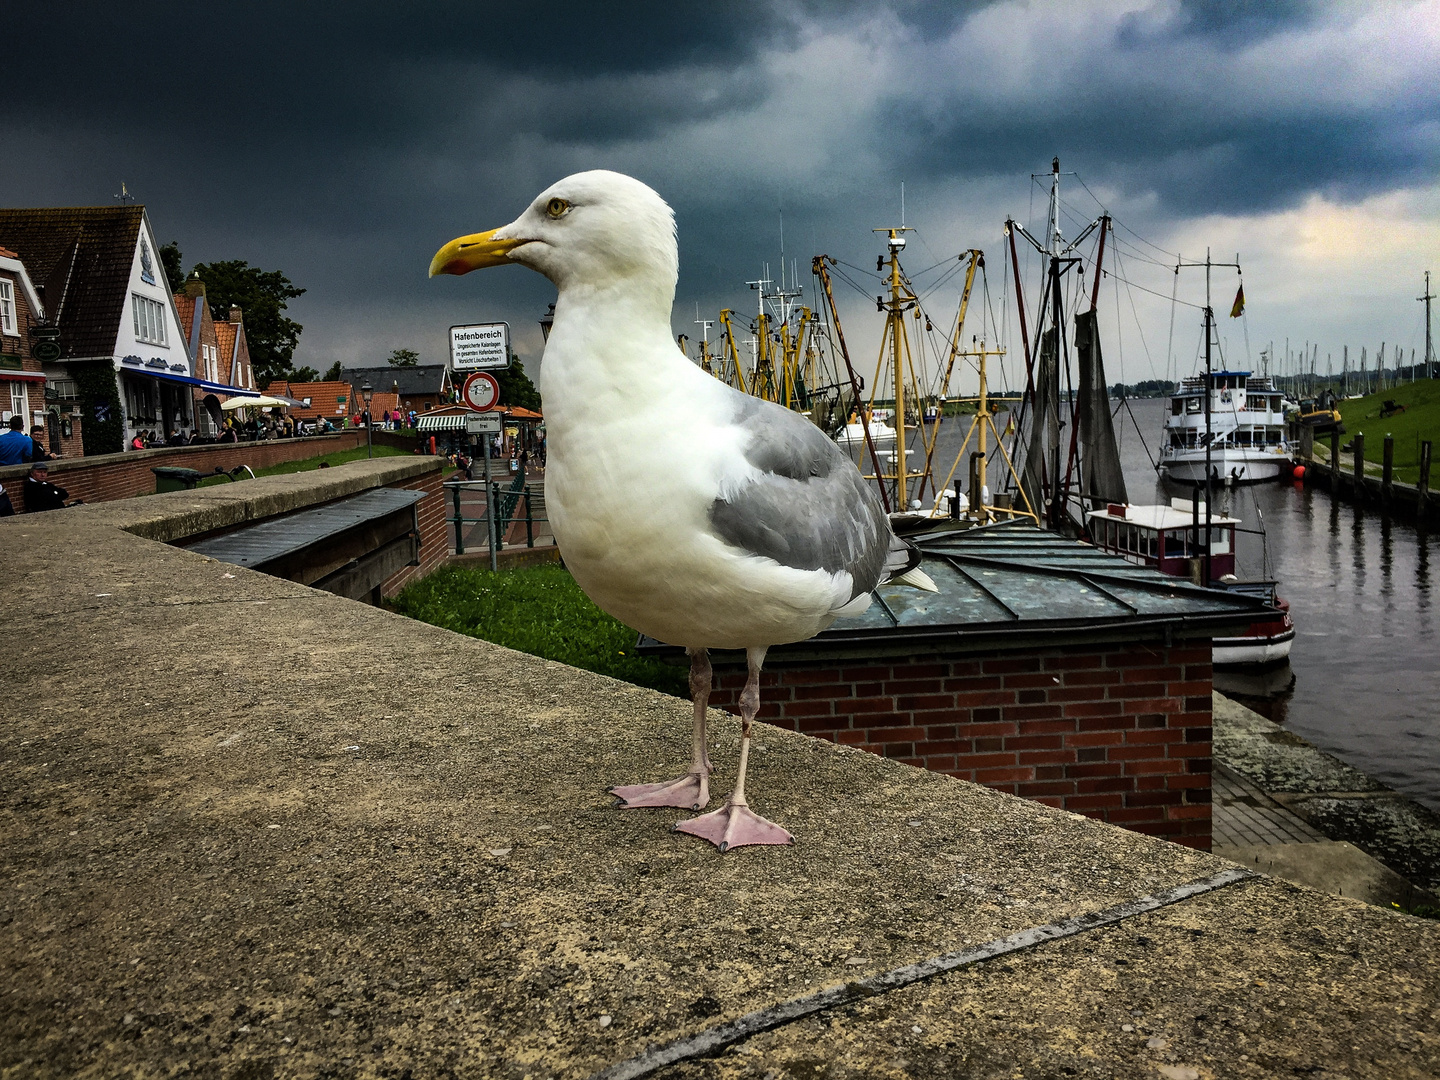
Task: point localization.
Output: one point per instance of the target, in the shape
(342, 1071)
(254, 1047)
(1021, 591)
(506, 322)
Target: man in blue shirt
(17, 448)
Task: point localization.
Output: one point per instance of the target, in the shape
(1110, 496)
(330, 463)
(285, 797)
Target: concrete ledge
(251, 829)
(178, 514)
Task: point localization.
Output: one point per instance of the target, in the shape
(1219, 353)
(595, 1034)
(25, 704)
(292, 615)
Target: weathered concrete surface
(1278, 760)
(1261, 980)
(249, 829)
(1341, 802)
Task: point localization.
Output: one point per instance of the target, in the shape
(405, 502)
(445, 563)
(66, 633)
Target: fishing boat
(1172, 540)
(854, 433)
(1230, 422)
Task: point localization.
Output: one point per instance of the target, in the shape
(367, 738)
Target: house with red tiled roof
(333, 401)
(111, 319)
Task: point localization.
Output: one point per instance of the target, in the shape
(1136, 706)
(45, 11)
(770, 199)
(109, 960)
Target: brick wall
(1120, 733)
(106, 477)
(434, 544)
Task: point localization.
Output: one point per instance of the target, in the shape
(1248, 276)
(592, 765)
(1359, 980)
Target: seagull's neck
(609, 348)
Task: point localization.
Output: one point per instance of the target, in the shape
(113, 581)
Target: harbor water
(1366, 675)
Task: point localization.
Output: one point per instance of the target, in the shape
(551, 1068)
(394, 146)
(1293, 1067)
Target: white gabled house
(109, 307)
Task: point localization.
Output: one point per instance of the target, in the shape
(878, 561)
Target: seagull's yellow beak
(473, 252)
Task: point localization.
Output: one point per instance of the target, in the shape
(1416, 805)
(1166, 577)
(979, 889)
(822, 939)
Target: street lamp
(395, 389)
(366, 393)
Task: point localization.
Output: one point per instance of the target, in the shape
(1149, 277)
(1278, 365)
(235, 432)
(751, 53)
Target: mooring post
(1359, 463)
(459, 524)
(1423, 487)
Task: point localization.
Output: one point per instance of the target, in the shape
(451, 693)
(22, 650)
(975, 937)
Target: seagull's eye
(557, 208)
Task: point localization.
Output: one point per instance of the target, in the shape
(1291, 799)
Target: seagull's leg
(735, 824)
(692, 790)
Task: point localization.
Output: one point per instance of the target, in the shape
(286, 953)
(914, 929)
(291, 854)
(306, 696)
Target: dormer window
(149, 320)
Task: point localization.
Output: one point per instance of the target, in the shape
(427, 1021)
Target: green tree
(516, 387)
(332, 373)
(404, 358)
(261, 295)
(304, 374)
(174, 265)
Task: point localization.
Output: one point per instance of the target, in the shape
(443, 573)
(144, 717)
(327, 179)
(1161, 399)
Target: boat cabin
(1165, 538)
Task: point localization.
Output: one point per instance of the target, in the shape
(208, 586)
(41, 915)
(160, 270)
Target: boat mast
(1209, 389)
(901, 298)
(1429, 343)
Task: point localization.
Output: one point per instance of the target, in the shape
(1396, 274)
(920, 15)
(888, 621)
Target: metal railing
(505, 501)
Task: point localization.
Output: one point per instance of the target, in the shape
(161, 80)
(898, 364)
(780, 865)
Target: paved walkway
(1243, 814)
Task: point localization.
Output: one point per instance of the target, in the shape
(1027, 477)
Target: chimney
(194, 287)
(235, 313)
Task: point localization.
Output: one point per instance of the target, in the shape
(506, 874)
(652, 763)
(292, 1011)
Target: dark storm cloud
(343, 143)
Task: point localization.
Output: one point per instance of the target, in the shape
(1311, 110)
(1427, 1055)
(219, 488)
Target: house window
(19, 401)
(149, 320)
(7, 307)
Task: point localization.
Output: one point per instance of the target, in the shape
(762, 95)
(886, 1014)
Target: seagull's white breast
(641, 444)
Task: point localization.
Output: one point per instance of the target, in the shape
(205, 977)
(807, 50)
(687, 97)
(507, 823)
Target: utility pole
(1429, 342)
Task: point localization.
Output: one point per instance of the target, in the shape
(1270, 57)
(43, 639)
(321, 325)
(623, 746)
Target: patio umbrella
(264, 400)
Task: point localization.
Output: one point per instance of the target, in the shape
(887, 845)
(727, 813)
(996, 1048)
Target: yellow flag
(1238, 308)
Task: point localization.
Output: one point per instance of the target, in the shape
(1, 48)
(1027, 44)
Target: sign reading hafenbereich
(484, 346)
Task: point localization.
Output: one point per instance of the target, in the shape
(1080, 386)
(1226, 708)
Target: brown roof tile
(325, 397)
(81, 256)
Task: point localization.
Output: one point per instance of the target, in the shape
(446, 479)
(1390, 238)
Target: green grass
(538, 610)
(1419, 421)
(339, 457)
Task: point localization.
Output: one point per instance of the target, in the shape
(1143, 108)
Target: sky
(343, 145)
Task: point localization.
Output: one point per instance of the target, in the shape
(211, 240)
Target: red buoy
(1299, 472)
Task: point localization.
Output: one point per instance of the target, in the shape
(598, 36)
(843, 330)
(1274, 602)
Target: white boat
(853, 434)
(1246, 436)
(1170, 539)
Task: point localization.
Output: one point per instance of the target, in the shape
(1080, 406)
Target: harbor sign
(479, 347)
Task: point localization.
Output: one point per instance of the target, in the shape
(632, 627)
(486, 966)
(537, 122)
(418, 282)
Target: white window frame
(9, 324)
(149, 318)
(20, 402)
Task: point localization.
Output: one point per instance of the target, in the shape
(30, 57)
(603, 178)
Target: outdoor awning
(189, 380)
(443, 422)
(22, 376)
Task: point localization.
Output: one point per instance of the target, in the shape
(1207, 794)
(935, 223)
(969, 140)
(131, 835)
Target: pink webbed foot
(735, 825)
(691, 791)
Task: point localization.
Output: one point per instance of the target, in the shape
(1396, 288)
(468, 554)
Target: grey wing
(810, 508)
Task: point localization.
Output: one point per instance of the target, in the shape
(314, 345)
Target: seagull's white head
(590, 229)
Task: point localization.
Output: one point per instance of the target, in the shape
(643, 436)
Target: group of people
(17, 448)
(394, 420)
(151, 440)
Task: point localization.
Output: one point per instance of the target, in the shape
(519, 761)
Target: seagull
(693, 513)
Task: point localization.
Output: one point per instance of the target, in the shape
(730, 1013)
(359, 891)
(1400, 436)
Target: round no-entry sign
(481, 392)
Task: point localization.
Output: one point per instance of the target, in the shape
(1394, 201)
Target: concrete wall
(106, 477)
(1120, 733)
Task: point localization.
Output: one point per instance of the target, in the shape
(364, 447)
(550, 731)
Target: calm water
(1365, 663)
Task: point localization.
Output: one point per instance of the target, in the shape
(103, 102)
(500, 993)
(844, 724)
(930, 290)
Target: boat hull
(1243, 468)
(1252, 650)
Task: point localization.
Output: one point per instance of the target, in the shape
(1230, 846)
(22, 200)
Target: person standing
(39, 493)
(17, 448)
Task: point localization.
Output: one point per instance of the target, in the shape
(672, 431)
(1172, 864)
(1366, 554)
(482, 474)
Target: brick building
(1044, 668)
(22, 383)
(219, 354)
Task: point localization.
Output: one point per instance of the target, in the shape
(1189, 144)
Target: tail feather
(902, 566)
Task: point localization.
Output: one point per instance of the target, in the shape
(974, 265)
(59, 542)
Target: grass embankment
(538, 610)
(1419, 421)
(339, 457)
